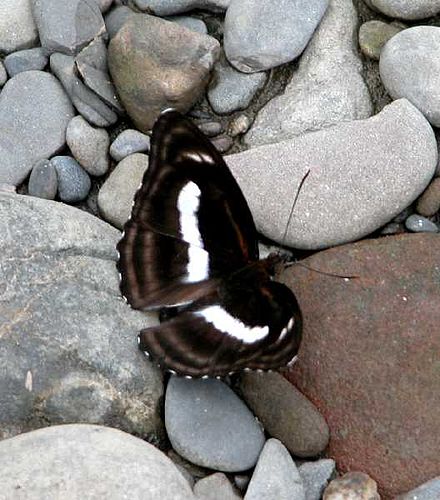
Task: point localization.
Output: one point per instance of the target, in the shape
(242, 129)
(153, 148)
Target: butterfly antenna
(301, 184)
(333, 275)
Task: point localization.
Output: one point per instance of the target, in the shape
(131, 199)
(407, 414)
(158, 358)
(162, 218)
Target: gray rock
(129, 141)
(104, 5)
(116, 18)
(198, 416)
(426, 491)
(66, 325)
(285, 413)
(211, 129)
(85, 100)
(409, 67)
(171, 67)
(249, 41)
(170, 7)
(406, 9)
(73, 182)
(25, 60)
(87, 461)
(419, 224)
(362, 174)
(230, 90)
(34, 113)
(17, 26)
(192, 23)
(3, 74)
(327, 88)
(67, 26)
(373, 35)
(223, 143)
(88, 145)
(315, 477)
(215, 487)
(43, 181)
(275, 475)
(116, 194)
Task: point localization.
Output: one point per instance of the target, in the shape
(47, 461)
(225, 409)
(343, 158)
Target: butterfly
(190, 250)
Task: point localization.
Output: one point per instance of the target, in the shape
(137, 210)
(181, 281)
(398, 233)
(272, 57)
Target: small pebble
(73, 181)
(43, 181)
(215, 487)
(373, 35)
(429, 203)
(239, 125)
(223, 143)
(393, 228)
(315, 477)
(211, 129)
(352, 486)
(129, 141)
(25, 60)
(241, 481)
(404, 214)
(89, 145)
(419, 224)
(3, 74)
(426, 491)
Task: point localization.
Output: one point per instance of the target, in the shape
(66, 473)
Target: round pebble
(73, 181)
(3, 74)
(353, 485)
(223, 143)
(419, 224)
(392, 228)
(26, 60)
(210, 426)
(406, 9)
(89, 145)
(43, 181)
(128, 142)
(211, 129)
(373, 35)
(429, 203)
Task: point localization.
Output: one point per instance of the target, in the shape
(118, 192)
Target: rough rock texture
(170, 7)
(68, 350)
(426, 491)
(406, 9)
(352, 486)
(17, 26)
(315, 477)
(368, 356)
(34, 113)
(362, 174)
(157, 64)
(87, 461)
(327, 87)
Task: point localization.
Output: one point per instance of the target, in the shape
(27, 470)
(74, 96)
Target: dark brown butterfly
(190, 249)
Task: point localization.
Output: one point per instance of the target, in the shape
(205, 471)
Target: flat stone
(231, 90)
(429, 203)
(285, 413)
(353, 485)
(151, 71)
(17, 26)
(61, 307)
(419, 224)
(116, 195)
(3, 74)
(426, 491)
(67, 26)
(87, 461)
(129, 141)
(198, 416)
(373, 35)
(25, 60)
(43, 181)
(34, 113)
(116, 18)
(93, 109)
(249, 41)
(327, 88)
(389, 424)
(88, 145)
(215, 487)
(275, 475)
(315, 477)
(73, 182)
(409, 67)
(406, 9)
(192, 23)
(362, 174)
(170, 7)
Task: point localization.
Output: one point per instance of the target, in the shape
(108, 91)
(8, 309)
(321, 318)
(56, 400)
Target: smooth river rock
(362, 174)
(406, 9)
(68, 349)
(170, 7)
(369, 355)
(17, 26)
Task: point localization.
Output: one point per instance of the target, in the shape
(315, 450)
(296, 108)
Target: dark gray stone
(17, 26)
(250, 25)
(419, 224)
(43, 181)
(128, 142)
(275, 475)
(192, 23)
(68, 347)
(316, 476)
(73, 182)
(85, 100)
(67, 25)
(198, 416)
(26, 60)
(116, 18)
(170, 7)
(34, 113)
(87, 461)
(426, 491)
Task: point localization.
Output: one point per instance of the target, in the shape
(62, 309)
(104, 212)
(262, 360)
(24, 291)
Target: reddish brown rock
(370, 355)
(429, 203)
(352, 486)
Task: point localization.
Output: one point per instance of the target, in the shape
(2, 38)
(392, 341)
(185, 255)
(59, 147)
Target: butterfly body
(190, 249)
